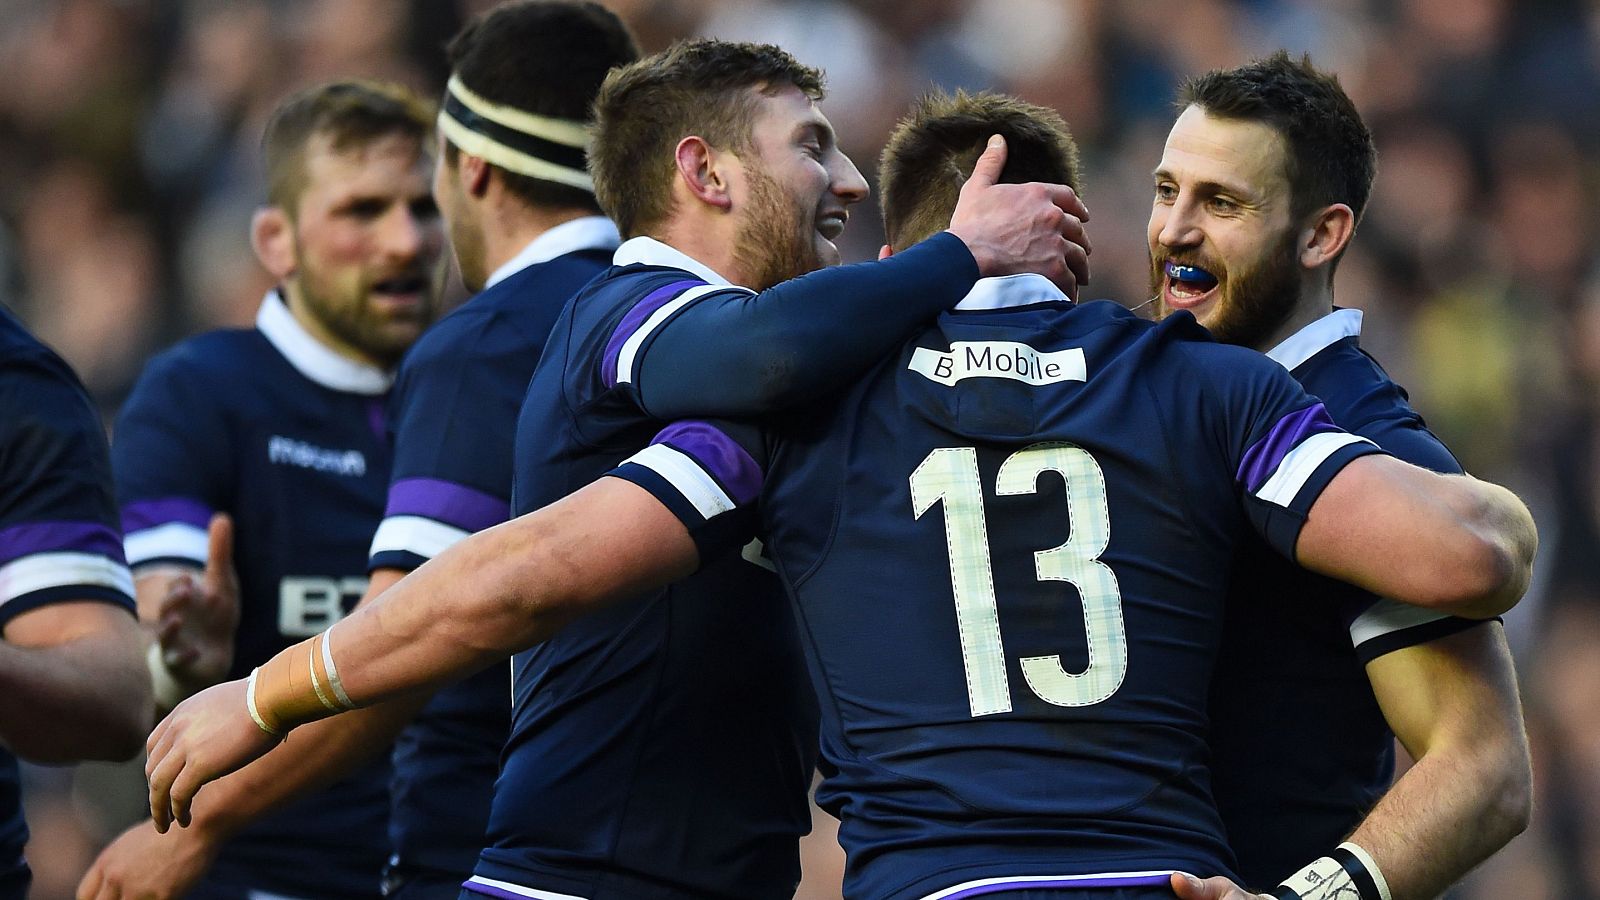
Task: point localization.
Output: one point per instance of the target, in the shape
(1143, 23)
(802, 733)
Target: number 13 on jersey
(950, 475)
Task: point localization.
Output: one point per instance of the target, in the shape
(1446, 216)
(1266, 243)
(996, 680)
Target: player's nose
(847, 182)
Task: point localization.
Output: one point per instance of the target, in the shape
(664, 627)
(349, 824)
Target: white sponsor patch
(999, 359)
(288, 451)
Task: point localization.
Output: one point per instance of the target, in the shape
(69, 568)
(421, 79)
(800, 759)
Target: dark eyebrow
(820, 130)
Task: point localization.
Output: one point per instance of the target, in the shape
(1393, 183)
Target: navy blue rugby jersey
(1008, 548)
(59, 537)
(288, 437)
(664, 747)
(453, 415)
(1282, 659)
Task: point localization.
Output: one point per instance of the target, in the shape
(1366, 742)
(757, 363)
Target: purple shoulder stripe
(720, 455)
(60, 537)
(445, 501)
(635, 320)
(142, 514)
(1261, 460)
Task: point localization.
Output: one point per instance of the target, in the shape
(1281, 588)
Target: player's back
(1009, 546)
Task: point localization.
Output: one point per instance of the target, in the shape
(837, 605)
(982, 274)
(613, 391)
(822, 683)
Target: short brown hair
(351, 113)
(934, 148)
(545, 57)
(692, 88)
(1331, 157)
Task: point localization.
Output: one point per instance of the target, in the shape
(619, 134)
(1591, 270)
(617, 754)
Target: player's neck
(513, 229)
(1315, 302)
(708, 240)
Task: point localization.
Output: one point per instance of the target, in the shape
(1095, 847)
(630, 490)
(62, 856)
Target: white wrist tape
(168, 692)
(1348, 873)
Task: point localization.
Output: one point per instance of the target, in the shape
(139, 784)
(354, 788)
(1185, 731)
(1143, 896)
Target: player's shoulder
(224, 353)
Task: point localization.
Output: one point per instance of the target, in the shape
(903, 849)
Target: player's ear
(1326, 235)
(272, 237)
(701, 172)
(474, 174)
(885, 251)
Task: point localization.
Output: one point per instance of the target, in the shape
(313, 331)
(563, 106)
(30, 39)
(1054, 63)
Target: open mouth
(1188, 285)
(401, 286)
(832, 225)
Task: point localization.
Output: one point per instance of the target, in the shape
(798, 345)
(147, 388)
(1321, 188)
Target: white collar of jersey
(1010, 290)
(312, 358)
(587, 233)
(1317, 337)
(648, 251)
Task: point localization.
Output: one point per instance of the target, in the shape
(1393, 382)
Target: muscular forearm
(1454, 704)
(87, 698)
(508, 588)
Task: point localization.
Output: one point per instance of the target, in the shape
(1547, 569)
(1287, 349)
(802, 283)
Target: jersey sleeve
(707, 351)
(452, 414)
(172, 457)
(1379, 625)
(1283, 446)
(709, 474)
(59, 539)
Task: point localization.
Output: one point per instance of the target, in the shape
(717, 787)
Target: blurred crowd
(129, 171)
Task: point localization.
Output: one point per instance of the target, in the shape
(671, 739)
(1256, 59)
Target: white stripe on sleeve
(423, 536)
(630, 347)
(38, 571)
(1388, 616)
(687, 477)
(174, 539)
(1300, 463)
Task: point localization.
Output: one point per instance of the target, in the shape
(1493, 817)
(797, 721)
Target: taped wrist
(297, 686)
(168, 691)
(1347, 872)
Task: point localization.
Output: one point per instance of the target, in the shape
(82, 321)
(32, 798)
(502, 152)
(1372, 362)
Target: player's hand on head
(143, 864)
(1188, 887)
(197, 619)
(1022, 228)
(206, 737)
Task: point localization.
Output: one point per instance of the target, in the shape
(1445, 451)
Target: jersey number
(950, 475)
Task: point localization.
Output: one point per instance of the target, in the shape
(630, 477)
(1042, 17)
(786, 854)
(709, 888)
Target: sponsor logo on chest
(290, 452)
(998, 359)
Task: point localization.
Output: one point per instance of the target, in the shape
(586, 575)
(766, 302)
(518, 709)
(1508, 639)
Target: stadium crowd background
(129, 169)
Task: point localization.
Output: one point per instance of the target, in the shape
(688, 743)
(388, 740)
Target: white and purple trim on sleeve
(618, 365)
(707, 468)
(40, 559)
(425, 516)
(166, 528)
(505, 890)
(1052, 882)
(1277, 468)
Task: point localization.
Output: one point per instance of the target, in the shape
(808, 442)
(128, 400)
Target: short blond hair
(350, 113)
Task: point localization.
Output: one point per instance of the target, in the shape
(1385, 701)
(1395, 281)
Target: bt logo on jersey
(310, 605)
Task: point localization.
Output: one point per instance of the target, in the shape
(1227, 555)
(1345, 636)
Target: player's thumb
(219, 553)
(990, 163)
(1188, 887)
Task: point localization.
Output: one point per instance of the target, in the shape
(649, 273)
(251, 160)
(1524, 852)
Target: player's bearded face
(369, 247)
(777, 240)
(798, 185)
(1252, 301)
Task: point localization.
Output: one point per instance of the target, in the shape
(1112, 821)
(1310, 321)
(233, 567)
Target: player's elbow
(1509, 803)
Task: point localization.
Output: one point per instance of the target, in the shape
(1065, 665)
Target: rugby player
(1263, 179)
(943, 772)
(71, 666)
(527, 233)
(282, 427)
(607, 833)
